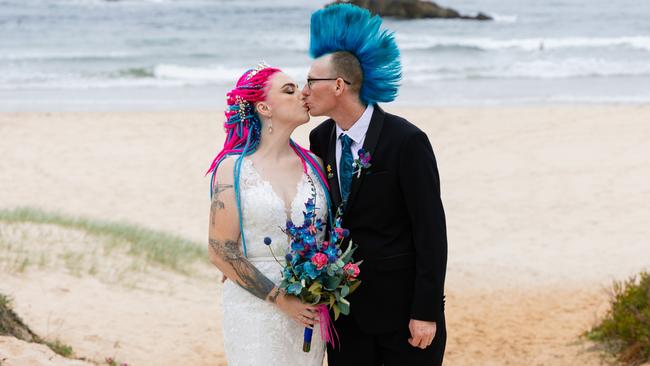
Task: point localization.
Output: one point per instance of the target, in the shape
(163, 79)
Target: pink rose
(351, 269)
(320, 260)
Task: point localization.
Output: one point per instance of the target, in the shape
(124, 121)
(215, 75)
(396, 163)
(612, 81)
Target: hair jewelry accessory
(262, 65)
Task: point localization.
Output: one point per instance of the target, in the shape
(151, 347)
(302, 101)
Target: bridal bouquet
(319, 273)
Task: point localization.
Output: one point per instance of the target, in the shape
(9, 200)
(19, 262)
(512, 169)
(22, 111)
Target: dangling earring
(270, 126)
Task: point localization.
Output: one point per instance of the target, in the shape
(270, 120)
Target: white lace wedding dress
(255, 332)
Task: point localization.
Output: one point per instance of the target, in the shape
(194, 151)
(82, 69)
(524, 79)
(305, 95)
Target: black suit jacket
(395, 217)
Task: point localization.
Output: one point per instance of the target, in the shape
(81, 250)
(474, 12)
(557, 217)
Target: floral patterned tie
(345, 165)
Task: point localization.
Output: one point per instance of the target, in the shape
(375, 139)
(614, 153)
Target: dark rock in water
(482, 16)
(411, 9)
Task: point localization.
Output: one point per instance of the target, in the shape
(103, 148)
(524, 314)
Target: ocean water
(156, 54)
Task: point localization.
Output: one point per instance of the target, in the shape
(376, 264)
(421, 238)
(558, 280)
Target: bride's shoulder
(226, 169)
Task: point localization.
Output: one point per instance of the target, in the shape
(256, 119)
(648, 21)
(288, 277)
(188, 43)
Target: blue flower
(332, 253)
(310, 205)
(288, 257)
(310, 240)
(267, 241)
(287, 273)
(295, 288)
(297, 246)
(295, 260)
(311, 270)
(299, 270)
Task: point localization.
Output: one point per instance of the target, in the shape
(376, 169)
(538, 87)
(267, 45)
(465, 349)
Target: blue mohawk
(346, 27)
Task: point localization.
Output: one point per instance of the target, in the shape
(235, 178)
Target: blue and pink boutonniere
(362, 163)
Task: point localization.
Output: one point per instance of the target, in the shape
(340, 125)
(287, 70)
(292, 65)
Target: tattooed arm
(246, 275)
(225, 251)
(224, 247)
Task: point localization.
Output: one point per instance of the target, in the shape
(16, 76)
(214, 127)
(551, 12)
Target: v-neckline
(288, 210)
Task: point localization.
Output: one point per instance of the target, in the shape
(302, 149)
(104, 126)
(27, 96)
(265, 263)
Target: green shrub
(625, 330)
(60, 348)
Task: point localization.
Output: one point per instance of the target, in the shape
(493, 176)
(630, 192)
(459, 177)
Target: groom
(392, 206)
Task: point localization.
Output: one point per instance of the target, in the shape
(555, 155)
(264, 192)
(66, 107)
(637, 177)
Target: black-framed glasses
(310, 81)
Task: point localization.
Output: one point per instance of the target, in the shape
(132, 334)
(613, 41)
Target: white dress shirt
(358, 135)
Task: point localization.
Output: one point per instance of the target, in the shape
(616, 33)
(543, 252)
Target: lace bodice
(265, 213)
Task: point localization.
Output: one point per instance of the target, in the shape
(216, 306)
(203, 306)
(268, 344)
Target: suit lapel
(335, 190)
(369, 144)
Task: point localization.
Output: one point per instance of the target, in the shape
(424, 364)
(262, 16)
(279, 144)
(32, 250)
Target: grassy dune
(23, 230)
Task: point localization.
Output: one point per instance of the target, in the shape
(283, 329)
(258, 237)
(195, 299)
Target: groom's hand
(422, 333)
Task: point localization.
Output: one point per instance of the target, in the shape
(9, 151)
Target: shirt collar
(360, 127)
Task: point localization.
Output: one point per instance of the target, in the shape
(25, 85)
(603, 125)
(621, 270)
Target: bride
(260, 180)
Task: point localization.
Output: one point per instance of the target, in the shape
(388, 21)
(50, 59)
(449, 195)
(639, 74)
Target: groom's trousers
(357, 348)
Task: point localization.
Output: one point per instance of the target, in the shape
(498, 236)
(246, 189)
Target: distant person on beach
(391, 206)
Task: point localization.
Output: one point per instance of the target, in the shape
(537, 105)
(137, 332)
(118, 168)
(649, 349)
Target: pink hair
(248, 90)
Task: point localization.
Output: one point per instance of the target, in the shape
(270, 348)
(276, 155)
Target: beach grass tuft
(60, 348)
(625, 329)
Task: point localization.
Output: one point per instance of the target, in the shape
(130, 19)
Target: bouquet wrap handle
(327, 329)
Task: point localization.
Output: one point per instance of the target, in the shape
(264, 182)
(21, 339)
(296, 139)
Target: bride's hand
(304, 314)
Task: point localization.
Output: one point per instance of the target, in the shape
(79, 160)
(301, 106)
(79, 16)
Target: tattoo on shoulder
(217, 203)
(250, 278)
